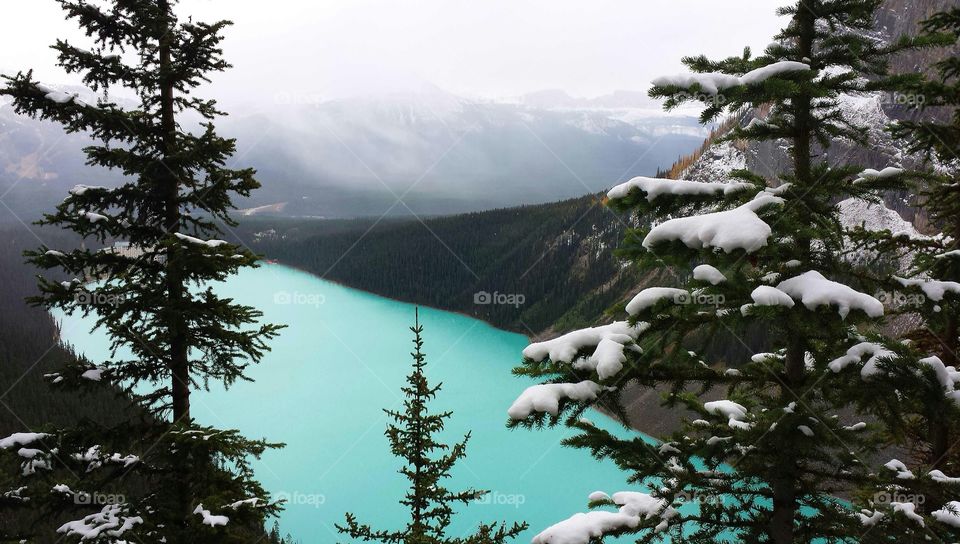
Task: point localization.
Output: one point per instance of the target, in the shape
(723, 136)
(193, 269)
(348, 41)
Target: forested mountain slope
(519, 268)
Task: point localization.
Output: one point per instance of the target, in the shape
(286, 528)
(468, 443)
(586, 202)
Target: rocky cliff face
(872, 111)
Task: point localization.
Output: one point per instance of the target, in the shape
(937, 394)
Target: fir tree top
(427, 464)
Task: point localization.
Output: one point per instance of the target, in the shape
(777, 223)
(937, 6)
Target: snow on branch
(933, 289)
(609, 342)
(209, 518)
(739, 228)
(583, 528)
(21, 439)
(714, 82)
(814, 290)
(735, 413)
(650, 296)
(545, 398)
(199, 242)
(109, 522)
(656, 187)
(709, 274)
(856, 355)
(871, 175)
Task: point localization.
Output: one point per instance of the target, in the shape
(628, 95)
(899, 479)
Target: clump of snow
(21, 439)
(908, 509)
(735, 413)
(709, 274)
(712, 83)
(650, 296)
(609, 342)
(771, 296)
(94, 374)
(583, 528)
(93, 217)
(934, 290)
(939, 477)
(729, 230)
(814, 290)
(109, 522)
(903, 473)
(656, 187)
(210, 519)
(949, 514)
(545, 398)
(197, 241)
(870, 174)
(857, 353)
(80, 190)
(55, 253)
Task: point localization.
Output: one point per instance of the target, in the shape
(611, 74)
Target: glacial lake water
(323, 388)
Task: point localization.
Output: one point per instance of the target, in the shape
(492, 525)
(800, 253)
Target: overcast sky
(477, 48)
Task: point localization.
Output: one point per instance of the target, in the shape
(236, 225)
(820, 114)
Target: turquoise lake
(323, 388)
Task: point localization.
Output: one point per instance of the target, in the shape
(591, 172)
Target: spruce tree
(427, 463)
(768, 462)
(154, 299)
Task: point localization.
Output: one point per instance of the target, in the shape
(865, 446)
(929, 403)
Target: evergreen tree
(925, 417)
(767, 462)
(427, 463)
(155, 299)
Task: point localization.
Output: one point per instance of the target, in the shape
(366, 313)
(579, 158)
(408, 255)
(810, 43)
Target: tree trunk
(179, 349)
(783, 485)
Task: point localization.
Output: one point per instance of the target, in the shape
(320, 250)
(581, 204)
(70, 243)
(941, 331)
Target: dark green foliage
(427, 464)
(555, 255)
(925, 416)
(769, 466)
(170, 333)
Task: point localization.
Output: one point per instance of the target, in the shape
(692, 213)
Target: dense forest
(525, 269)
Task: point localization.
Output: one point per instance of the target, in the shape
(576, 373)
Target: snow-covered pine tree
(766, 461)
(171, 333)
(924, 418)
(427, 464)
